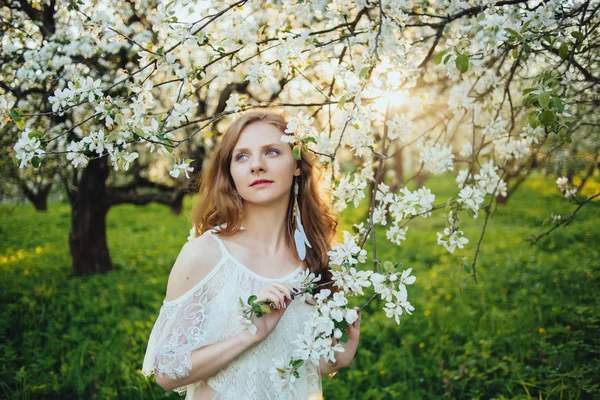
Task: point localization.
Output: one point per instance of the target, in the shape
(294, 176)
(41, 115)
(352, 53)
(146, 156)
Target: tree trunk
(177, 204)
(40, 202)
(87, 240)
(39, 199)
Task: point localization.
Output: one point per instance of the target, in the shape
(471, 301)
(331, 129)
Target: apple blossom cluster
(328, 324)
(27, 147)
(399, 127)
(474, 189)
(181, 166)
(347, 252)
(412, 203)
(391, 287)
(437, 158)
(323, 332)
(299, 128)
(405, 204)
(350, 189)
(452, 237)
(84, 89)
(565, 187)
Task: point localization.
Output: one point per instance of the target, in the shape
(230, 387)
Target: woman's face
(260, 154)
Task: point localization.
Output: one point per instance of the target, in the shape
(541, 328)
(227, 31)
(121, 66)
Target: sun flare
(395, 98)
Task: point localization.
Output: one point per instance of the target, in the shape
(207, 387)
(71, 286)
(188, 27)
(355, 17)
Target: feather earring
(299, 235)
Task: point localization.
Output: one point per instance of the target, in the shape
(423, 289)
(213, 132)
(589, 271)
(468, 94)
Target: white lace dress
(208, 313)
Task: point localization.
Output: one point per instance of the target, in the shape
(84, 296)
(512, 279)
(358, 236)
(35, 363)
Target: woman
(246, 221)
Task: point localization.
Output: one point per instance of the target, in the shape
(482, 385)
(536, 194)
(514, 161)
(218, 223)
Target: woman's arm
(343, 360)
(194, 262)
(207, 361)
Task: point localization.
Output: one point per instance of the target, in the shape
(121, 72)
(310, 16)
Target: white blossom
(26, 148)
(75, 155)
(400, 127)
(452, 239)
(562, 183)
(471, 197)
(396, 234)
(351, 191)
(184, 166)
(347, 252)
(437, 158)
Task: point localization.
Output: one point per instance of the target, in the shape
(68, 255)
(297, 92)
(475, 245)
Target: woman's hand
(279, 294)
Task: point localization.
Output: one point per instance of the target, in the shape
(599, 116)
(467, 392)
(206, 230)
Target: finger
(286, 289)
(272, 296)
(287, 296)
(279, 296)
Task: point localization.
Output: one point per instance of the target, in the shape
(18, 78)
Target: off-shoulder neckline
(228, 254)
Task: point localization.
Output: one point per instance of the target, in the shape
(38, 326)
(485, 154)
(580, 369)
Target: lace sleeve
(182, 327)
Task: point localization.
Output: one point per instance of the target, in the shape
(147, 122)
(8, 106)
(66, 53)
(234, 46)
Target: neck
(266, 224)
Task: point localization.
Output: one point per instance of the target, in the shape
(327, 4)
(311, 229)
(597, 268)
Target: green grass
(528, 329)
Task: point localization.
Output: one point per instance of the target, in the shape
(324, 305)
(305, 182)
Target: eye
(238, 157)
(273, 150)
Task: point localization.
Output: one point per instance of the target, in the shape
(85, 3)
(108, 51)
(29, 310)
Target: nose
(257, 165)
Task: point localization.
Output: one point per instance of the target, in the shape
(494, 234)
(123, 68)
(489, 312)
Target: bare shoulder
(195, 261)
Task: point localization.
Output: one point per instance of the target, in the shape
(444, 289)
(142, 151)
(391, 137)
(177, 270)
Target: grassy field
(528, 329)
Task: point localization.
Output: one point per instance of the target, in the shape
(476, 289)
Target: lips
(260, 181)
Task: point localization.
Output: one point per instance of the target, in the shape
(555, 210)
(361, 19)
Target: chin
(266, 198)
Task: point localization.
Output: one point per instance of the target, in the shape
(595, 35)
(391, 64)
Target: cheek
(234, 172)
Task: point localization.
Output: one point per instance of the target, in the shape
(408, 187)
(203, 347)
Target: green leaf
(525, 26)
(242, 302)
(527, 48)
(305, 148)
(342, 325)
(467, 268)
(15, 114)
(515, 53)
(35, 161)
(344, 337)
(447, 58)
(548, 39)
(311, 139)
(266, 309)
(341, 102)
(568, 139)
(544, 100)
(563, 50)
(547, 117)
(462, 63)
(35, 134)
(296, 151)
(20, 124)
(578, 36)
(437, 59)
(297, 363)
(364, 71)
(560, 107)
(251, 299)
(389, 267)
(514, 33)
(528, 99)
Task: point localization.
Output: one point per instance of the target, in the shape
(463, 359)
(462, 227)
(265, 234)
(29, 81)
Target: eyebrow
(239, 150)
